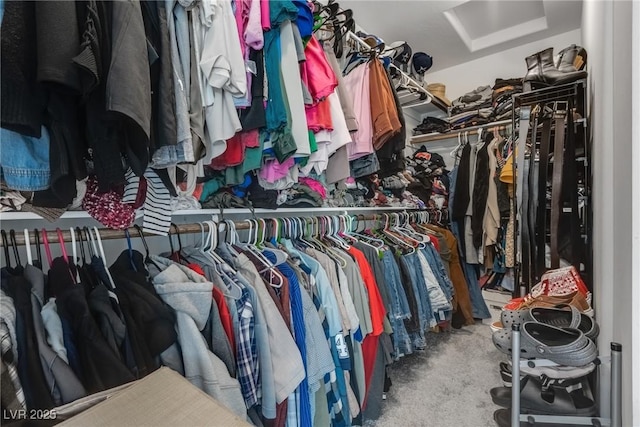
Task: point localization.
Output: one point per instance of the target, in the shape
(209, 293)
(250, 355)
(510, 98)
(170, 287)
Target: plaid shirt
(246, 352)
(12, 394)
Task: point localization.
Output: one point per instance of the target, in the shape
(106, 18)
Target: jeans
(433, 257)
(399, 306)
(480, 309)
(24, 160)
(419, 289)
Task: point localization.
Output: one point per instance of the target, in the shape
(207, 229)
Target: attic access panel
(486, 23)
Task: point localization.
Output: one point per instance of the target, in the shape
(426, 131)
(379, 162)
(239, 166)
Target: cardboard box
(163, 398)
(495, 300)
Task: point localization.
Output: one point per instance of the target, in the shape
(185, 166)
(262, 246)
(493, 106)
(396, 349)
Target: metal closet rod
(110, 234)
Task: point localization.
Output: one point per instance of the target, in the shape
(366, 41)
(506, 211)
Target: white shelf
(21, 216)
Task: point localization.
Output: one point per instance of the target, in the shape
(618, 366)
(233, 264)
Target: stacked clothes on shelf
(484, 104)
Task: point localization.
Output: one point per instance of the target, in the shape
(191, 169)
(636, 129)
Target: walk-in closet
(320, 213)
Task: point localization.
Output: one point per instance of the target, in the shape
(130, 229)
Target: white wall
(635, 138)
(606, 36)
(507, 64)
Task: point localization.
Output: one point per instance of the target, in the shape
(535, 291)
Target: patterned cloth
(12, 395)
(246, 352)
(301, 397)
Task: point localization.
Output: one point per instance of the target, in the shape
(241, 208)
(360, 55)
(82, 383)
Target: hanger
(456, 150)
(104, 258)
(281, 256)
(5, 247)
(74, 248)
(268, 266)
(130, 248)
(27, 246)
(47, 248)
(62, 245)
(82, 254)
(74, 253)
(37, 262)
(14, 245)
(233, 289)
(147, 257)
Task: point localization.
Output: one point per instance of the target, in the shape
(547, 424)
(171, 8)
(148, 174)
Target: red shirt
(225, 317)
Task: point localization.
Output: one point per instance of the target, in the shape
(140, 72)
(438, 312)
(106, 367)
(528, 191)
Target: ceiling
(458, 31)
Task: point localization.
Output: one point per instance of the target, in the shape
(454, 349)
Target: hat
(372, 40)
(438, 90)
(108, 208)
(421, 62)
(400, 52)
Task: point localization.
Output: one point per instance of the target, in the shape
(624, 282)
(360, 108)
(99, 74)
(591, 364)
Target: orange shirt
(376, 305)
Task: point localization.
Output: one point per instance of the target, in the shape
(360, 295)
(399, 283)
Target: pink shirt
(265, 15)
(356, 83)
(316, 72)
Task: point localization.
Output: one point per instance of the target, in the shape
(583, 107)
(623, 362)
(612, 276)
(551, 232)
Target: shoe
(542, 72)
(561, 316)
(559, 373)
(568, 347)
(570, 59)
(550, 400)
(575, 299)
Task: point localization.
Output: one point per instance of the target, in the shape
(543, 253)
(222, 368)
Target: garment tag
(341, 345)
(251, 66)
(442, 316)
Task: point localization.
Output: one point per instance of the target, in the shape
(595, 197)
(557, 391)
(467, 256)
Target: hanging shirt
(357, 87)
(222, 72)
(376, 306)
(316, 71)
(293, 90)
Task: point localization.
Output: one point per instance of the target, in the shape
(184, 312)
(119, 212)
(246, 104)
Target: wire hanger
(147, 257)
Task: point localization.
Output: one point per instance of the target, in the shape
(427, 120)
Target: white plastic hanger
(233, 290)
(104, 259)
(74, 249)
(27, 245)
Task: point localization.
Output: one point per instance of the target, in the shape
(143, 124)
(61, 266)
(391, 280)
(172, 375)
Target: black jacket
(22, 98)
(462, 197)
(480, 193)
(101, 367)
(150, 322)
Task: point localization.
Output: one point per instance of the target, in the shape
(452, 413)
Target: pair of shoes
(564, 346)
(561, 316)
(542, 71)
(570, 398)
(551, 374)
(559, 398)
(576, 299)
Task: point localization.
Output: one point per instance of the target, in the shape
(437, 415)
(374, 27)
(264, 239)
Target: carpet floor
(446, 385)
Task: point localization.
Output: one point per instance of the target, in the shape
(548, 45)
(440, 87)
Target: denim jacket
(24, 160)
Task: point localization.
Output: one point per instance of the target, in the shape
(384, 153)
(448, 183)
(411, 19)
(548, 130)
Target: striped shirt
(157, 201)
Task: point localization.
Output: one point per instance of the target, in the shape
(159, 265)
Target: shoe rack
(530, 420)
